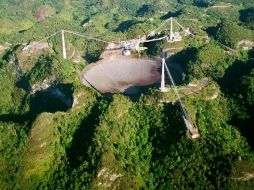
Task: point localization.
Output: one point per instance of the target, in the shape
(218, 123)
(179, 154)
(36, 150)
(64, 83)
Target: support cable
(179, 25)
(153, 31)
(49, 36)
(155, 39)
(192, 130)
(183, 110)
(89, 37)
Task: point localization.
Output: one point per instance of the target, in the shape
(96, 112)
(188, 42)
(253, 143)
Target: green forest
(56, 133)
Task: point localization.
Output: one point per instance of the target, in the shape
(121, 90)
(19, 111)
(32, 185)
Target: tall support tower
(162, 88)
(171, 29)
(63, 45)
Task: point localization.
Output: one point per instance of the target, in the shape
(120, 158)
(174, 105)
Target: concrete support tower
(171, 29)
(162, 88)
(63, 45)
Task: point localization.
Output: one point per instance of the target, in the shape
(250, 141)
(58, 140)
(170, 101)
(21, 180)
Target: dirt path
(219, 6)
(189, 89)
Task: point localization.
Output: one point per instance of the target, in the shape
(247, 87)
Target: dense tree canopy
(56, 133)
(230, 34)
(247, 16)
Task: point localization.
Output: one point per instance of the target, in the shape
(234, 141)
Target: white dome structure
(126, 52)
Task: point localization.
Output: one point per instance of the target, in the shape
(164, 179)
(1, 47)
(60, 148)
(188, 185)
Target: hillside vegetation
(56, 133)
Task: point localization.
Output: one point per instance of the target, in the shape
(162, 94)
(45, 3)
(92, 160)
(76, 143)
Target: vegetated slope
(131, 145)
(56, 133)
(231, 34)
(247, 16)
